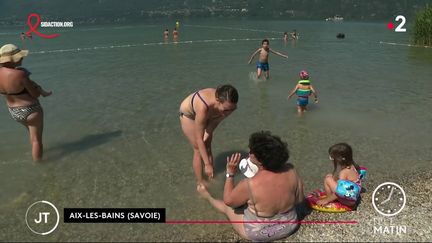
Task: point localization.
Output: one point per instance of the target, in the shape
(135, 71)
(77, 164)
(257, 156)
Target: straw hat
(11, 53)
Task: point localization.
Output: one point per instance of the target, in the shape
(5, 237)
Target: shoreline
(416, 217)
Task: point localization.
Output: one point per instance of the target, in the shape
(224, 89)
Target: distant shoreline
(22, 22)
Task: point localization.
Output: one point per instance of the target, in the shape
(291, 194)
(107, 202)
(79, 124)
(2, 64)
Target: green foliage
(423, 27)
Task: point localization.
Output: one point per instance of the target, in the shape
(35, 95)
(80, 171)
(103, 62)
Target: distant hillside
(14, 12)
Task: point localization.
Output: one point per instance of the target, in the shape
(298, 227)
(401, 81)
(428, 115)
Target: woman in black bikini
(22, 95)
(200, 113)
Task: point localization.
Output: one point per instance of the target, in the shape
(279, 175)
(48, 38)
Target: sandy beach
(416, 216)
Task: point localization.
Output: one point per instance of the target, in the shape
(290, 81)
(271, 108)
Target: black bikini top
(24, 90)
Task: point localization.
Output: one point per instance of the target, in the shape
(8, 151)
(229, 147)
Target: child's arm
(314, 93)
(293, 91)
(278, 53)
(253, 55)
(300, 190)
(329, 198)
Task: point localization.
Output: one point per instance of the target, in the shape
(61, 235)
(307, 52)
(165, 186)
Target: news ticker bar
(155, 215)
(114, 215)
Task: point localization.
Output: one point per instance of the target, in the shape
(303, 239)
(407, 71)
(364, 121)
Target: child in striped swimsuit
(303, 90)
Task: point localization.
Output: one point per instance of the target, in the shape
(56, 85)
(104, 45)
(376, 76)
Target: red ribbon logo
(33, 28)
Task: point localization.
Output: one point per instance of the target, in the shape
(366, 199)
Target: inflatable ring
(346, 191)
(332, 207)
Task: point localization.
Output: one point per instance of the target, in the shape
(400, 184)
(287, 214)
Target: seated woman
(271, 195)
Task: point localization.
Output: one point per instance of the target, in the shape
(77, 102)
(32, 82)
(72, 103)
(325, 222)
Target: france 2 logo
(399, 28)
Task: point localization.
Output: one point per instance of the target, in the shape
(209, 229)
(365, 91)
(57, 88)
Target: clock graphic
(388, 199)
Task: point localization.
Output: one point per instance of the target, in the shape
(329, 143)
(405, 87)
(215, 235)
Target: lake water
(112, 135)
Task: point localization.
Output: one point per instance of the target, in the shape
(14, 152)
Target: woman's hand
(232, 163)
(208, 169)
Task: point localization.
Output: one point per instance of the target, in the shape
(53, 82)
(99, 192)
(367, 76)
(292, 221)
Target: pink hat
(303, 74)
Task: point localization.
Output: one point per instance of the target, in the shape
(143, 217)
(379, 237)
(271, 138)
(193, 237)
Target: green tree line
(423, 27)
(110, 10)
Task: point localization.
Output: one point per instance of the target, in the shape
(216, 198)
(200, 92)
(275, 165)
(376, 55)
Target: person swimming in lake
(294, 35)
